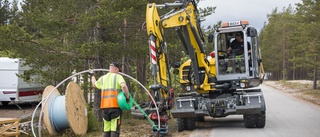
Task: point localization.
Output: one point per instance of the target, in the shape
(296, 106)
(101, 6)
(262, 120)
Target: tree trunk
(294, 71)
(315, 76)
(85, 84)
(97, 92)
(96, 104)
(284, 70)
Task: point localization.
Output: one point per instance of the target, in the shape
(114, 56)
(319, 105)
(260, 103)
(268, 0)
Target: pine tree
(309, 14)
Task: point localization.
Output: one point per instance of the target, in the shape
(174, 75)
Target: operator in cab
(237, 45)
(236, 54)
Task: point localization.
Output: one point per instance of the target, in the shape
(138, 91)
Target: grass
(133, 127)
(301, 90)
(130, 127)
(293, 85)
(302, 87)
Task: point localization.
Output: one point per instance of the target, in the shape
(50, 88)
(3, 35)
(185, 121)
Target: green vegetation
(290, 42)
(57, 38)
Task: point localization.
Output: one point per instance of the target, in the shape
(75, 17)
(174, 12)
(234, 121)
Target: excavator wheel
(255, 120)
(261, 120)
(249, 120)
(186, 124)
(190, 123)
(181, 124)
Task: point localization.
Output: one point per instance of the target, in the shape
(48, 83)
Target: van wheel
(5, 103)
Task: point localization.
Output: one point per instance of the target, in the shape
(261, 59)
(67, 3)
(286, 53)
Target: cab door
(255, 59)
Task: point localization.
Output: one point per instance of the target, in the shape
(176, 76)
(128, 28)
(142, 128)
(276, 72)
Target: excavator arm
(184, 18)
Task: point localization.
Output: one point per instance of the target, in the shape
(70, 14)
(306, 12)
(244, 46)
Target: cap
(116, 64)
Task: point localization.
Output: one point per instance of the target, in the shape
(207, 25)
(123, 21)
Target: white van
(14, 88)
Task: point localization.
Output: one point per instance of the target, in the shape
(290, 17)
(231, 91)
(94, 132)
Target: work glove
(91, 73)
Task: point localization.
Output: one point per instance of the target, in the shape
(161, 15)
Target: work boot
(115, 134)
(107, 134)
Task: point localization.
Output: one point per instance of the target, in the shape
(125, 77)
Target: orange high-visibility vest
(109, 90)
(109, 99)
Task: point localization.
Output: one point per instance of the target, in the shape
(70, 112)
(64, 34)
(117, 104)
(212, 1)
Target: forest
(76, 35)
(290, 42)
(58, 38)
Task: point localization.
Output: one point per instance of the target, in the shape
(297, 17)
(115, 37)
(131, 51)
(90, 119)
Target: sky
(255, 11)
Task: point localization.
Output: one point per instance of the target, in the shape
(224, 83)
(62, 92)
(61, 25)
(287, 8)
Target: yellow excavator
(215, 84)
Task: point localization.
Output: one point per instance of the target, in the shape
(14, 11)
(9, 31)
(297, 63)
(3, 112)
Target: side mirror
(210, 38)
(252, 32)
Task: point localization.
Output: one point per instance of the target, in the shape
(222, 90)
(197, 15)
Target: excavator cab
(239, 64)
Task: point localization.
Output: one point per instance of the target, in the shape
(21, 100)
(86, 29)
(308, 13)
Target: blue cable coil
(57, 113)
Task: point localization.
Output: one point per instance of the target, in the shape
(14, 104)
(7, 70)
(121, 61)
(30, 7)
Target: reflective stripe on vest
(109, 96)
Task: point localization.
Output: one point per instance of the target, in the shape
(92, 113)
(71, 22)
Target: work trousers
(111, 122)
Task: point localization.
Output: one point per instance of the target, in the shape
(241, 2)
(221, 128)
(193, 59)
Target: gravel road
(12, 111)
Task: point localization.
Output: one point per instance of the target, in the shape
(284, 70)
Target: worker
(236, 54)
(111, 84)
(237, 45)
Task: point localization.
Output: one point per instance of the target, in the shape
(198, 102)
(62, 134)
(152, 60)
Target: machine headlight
(188, 88)
(242, 85)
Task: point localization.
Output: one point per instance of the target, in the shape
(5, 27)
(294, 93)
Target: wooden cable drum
(62, 112)
(76, 109)
(46, 118)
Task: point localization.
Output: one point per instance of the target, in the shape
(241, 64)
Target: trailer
(14, 88)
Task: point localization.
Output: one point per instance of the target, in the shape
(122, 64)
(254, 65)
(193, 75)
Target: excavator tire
(181, 124)
(255, 120)
(190, 123)
(249, 120)
(261, 120)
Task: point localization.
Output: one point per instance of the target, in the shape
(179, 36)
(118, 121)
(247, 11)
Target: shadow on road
(229, 122)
